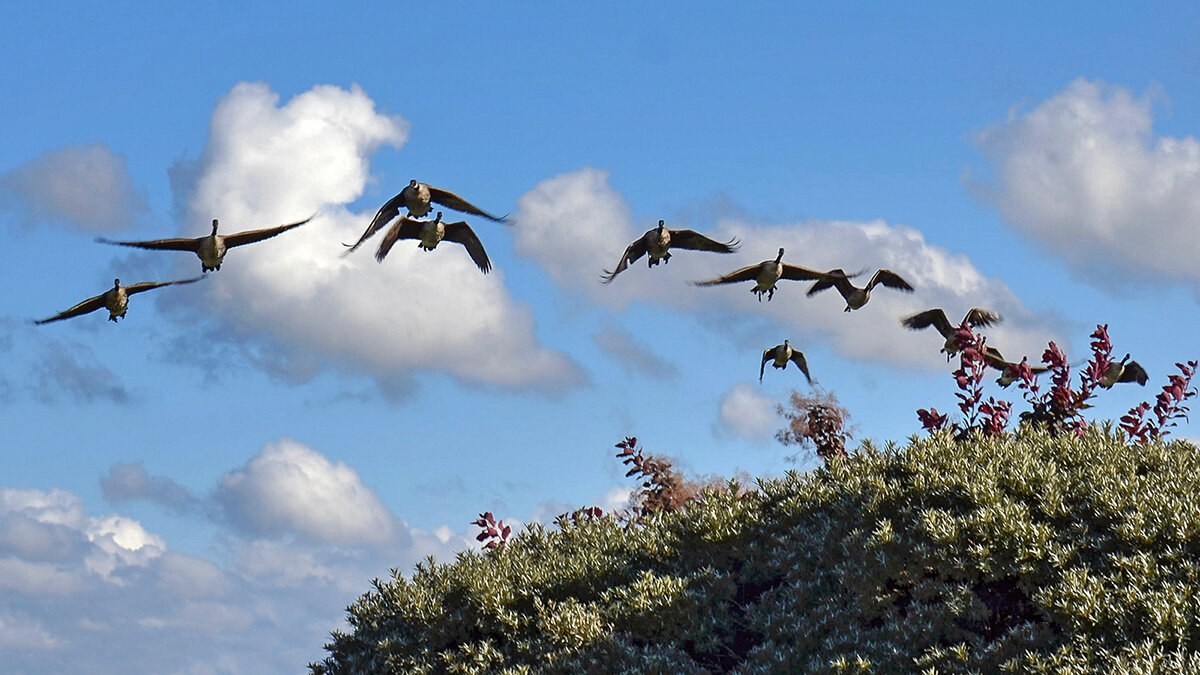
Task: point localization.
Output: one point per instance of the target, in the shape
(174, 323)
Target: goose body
(418, 199)
(430, 233)
(1009, 371)
(115, 300)
(782, 355)
(854, 296)
(657, 242)
(765, 275)
(937, 318)
(1124, 371)
(211, 248)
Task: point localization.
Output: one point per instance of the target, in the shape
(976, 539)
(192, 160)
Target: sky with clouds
(203, 487)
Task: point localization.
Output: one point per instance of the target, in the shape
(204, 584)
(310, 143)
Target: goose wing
(405, 228)
(386, 214)
(176, 244)
(89, 305)
(931, 317)
(690, 239)
(798, 273)
(448, 198)
(833, 278)
(251, 236)
(133, 289)
(890, 279)
(632, 252)
(801, 363)
(462, 233)
(1134, 372)
(748, 273)
(981, 318)
(768, 354)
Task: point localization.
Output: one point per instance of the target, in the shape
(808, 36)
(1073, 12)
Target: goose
(765, 275)
(1009, 370)
(1120, 371)
(417, 198)
(935, 317)
(212, 247)
(116, 299)
(782, 354)
(433, 232)
(857, 297)
(658, 241)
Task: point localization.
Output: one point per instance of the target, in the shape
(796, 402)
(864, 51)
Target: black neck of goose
(214, 230)
(779, 257)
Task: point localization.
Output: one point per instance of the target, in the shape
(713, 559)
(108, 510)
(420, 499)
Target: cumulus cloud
(127, 482)
(634, 356)
(599, 229)
(289, 487)
(86, 187)
(749, 413)
(72, 370)
(1084, 174)
(298, 300)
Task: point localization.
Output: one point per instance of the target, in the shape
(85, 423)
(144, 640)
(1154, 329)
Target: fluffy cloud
(72, 369)
(86, 187)
(598, 229)
(1084, 174)
(297, 299)
(127, 482)
(749, 413)
(633, 355)
(289, 487)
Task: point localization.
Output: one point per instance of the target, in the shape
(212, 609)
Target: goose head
(661, 224)
(785, 344)
(439, 217)
(780, 256)
(214, 226)
(412, 183)
(116, 283)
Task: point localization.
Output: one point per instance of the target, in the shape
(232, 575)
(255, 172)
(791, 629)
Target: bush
(1019, 553)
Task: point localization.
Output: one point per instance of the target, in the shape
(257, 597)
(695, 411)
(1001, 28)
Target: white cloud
(289, 487)
(748, 413)
(190, 577)
(57, 507)
(1084, 173)
(86, 187)
(593, 217)
(23, 633)
(120, 542)
(296, 299)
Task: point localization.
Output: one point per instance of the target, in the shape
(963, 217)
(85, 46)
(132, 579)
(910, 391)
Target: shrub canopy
(1022, 553)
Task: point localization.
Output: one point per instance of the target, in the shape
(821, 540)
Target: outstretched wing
(768, 354)
(89, 305)
(632, 252)
(1134, 372)
(690, 239)
(890, 279)
(251, 236)
(177, 244)
(981, 318)
(405, 228)
(932, 317)
(386, 214)
(801, 363)
(798, 273)
(448, 198)
(151, 285)
(833, 278)
(462, 233)
(749, 273)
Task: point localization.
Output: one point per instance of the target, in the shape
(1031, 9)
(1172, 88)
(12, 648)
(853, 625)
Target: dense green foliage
(1022, 553)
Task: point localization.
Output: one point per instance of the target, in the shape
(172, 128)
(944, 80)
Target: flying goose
(417, 198)
(1009, 370)
(431, 233)
(935, 317)
(210, 248)
(765, 275)
(782, 354)
(658, 242)
(1120, 371)
(116, 299)
(857, 297)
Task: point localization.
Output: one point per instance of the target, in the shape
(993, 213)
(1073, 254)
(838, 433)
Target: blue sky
(204, 487)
